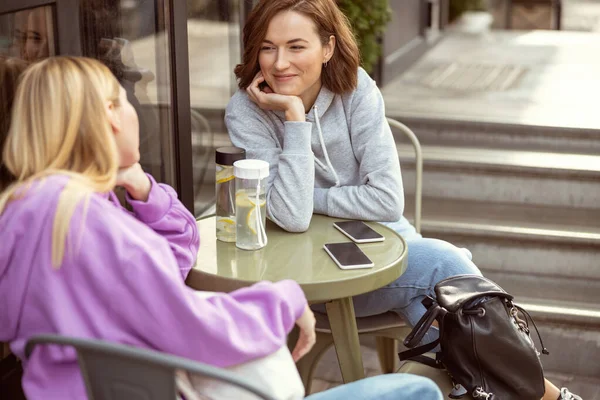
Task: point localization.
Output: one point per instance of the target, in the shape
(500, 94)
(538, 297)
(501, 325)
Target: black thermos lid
(229, 155)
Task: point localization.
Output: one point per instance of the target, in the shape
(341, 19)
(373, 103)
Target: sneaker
(566, 395)
(458, 392)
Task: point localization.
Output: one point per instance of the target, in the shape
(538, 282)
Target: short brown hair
(341, 74)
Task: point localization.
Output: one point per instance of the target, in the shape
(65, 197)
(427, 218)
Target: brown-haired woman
(319, 120)
(10, 70)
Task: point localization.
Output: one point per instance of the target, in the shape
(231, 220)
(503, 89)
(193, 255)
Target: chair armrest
(146, 356)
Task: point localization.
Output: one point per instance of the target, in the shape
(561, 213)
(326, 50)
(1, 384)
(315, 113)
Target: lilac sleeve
(139, 297)
(167, 216)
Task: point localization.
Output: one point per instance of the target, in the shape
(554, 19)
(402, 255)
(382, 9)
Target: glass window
(131, 38)
(214, 50)
(28, 34)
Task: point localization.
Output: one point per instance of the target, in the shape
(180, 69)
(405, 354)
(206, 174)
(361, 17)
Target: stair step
(493, 135)
(538, 252)
(586, 386)
(514, 221)
(514, 232)
(530, 161)
(552, 310)
(549, 179)
(542, 286)
(574, 349)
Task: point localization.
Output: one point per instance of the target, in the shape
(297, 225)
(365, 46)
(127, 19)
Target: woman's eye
(266, 48)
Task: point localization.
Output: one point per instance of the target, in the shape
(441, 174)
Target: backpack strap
(419, 330)
(430, 362)
(416, 354)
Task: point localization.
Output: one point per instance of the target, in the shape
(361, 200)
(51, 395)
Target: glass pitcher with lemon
(225, 191)
(250, 203)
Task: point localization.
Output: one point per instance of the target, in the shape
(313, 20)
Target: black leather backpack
(485, 344)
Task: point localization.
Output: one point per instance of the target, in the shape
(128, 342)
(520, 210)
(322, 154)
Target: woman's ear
(328, 49)
(113, 117)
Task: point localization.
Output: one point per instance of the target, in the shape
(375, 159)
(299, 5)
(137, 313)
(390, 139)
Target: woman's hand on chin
(135, 181)
(266, 99)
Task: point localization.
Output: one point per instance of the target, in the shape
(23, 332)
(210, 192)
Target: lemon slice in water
(225, 175)
(251, 217)
(226, 225)
(251, 220)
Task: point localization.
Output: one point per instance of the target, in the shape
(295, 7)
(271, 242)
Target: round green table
(222, 267)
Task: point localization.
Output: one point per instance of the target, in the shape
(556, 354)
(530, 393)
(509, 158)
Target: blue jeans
(429, 261)
(384, 387)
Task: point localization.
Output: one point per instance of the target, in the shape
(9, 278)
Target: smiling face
(291, 56)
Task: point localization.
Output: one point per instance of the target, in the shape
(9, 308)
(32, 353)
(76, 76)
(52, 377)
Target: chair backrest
(118, 372)
(405, 130)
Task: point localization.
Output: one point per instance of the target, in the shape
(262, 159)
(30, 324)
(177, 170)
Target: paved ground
(581, 15)
(328, 375)
(545, 78)
(542, 77)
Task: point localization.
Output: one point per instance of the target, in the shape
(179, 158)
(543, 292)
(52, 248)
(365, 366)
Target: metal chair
(114, 371)
(387, 327)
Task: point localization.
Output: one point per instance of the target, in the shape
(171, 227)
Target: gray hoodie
(341, 162)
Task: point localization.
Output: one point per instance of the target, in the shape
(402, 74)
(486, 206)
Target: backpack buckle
(479, 393)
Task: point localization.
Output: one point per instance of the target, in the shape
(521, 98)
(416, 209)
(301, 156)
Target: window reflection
(214, 50)
(127, 37)
(28, 34)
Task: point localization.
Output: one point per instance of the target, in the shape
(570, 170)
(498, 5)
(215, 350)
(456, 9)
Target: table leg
(345, 338)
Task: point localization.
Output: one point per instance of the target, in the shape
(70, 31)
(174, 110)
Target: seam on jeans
(404, 287)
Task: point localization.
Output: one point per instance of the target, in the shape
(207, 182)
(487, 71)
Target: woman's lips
(284, 78)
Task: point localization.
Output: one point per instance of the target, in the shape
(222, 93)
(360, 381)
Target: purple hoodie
(122, 280)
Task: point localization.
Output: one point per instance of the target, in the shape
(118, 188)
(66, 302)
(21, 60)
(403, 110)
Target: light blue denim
(384, 387)
(429, 261)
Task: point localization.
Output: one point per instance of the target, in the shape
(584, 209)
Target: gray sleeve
(380, 197)
(292, 171)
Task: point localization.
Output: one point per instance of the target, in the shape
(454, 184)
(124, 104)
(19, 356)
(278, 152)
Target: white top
(251, 169)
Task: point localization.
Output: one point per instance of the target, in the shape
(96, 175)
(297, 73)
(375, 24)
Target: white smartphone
(348, 255)
(358, 231)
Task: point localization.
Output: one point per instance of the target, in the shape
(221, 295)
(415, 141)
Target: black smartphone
(358, 231)
(348, 255)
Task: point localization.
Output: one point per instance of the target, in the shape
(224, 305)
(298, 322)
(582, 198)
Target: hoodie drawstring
(322, 141)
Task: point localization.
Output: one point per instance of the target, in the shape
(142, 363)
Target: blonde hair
(59, 126)
(10, 70)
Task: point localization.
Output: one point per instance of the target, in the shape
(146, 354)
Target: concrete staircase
(526, 202)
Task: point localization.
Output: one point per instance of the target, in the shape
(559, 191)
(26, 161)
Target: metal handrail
(418, 166)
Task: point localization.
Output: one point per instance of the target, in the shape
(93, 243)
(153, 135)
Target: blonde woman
(74, 262)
